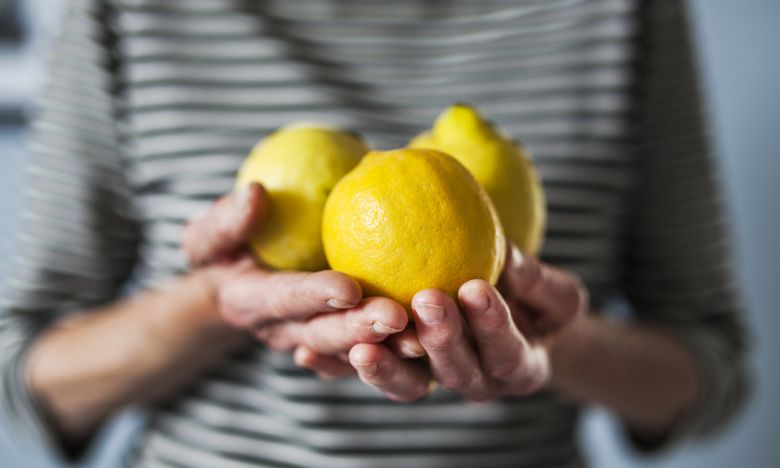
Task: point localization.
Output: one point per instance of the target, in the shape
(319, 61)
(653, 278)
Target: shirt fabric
(151, 105)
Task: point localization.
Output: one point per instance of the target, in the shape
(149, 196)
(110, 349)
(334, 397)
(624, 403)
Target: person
(149, 107)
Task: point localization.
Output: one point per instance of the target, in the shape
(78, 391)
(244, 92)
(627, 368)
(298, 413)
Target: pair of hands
(496, 344)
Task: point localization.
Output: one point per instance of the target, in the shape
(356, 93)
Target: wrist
(190, 317)
(572, 349)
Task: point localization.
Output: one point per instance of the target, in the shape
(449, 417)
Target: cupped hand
(492, 346)
(320, 315)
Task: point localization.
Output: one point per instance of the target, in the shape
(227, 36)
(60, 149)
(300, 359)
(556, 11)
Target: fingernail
(517, 257)
(337, 304)
(383, 330)
(301, 357)
(430, 313)
(367, 367)
(479, 303)
(412, 351)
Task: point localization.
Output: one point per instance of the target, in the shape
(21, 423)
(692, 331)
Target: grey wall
(738, 49)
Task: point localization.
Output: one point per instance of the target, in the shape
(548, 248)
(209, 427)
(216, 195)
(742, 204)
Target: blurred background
(741, 71)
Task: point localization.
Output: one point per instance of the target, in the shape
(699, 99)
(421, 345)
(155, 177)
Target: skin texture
(536, 334)
(531, 331)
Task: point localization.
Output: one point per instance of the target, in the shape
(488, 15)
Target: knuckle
(527, 386)
(275, 311)
(223, 232)
(528, 275)
(457, 381)
(441, 341)
(377, 379)
(533, 275)
(280, 344)
(531, 382)
(235, 315)
(302, 287)
(357, 327)
(573, 294)
(492, 324)
(503, 370)
(236, 311)
(438, 343)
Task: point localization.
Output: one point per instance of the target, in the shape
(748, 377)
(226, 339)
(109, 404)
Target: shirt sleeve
(678, 272)
(74, 238)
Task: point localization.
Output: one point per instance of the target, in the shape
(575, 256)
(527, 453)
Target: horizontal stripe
(150, 106)
(385, 439)
(282, 453)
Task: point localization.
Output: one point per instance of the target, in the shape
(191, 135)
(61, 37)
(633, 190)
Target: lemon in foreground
(298, 166)
(500, 165)
(410, 219)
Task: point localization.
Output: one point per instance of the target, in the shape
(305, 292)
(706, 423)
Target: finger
(335, 333)
(452, 358)
(555, 295)
(398, 379)
(500, 345)
(327, 367)
(371, 321)
(226, 226)
(257, 297)
(405, 344)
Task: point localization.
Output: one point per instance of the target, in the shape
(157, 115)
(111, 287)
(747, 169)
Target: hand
(321, 315)
(493, 346)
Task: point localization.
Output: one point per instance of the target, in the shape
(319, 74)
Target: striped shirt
(151, 105)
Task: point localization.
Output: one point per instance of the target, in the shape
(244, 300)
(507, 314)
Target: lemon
(500, 165)
(411, 219)
(298, 166)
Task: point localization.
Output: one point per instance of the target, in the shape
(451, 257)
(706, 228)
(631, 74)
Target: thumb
(226, 226)
(555, 296)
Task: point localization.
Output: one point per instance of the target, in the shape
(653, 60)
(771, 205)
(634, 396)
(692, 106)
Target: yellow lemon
(411, 219)
(298, 166)
(500, 165)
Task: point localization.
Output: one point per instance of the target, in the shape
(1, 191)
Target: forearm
(86, 368)
(641, 373)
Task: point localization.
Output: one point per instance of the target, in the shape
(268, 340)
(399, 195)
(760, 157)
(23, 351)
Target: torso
(204, 79)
